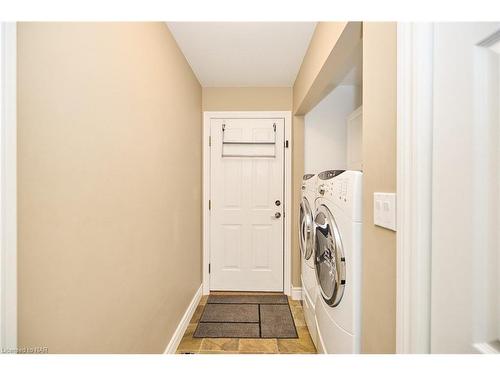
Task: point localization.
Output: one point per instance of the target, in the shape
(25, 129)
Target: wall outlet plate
(384, 210)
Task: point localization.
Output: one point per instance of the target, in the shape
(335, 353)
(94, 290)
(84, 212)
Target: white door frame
(415, 52)
(8, 184)
(414, 186)
(287, 206)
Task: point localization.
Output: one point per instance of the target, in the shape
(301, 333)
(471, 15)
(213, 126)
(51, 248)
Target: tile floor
(302, 345)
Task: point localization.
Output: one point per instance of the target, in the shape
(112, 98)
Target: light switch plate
(384, 210)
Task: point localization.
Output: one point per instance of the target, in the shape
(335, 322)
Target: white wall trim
(183, 324)
(287, 205)
(296, 293)
(414, 186)
(206, 198)
(8, 196)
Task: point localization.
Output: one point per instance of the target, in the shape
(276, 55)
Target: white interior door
(465, 277)
(246, 195)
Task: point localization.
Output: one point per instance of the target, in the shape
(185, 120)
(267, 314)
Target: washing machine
(338, 247)
(306, 243)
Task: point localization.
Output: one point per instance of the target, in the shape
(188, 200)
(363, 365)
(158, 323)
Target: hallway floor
(301, 345)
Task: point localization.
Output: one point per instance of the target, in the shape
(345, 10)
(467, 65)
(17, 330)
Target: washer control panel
(309, 182)
(307, 176)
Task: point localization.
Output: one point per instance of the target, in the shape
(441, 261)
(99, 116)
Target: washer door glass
(329, 259)
(306, 230)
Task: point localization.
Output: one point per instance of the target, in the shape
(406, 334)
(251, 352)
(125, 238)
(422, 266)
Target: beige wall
(247, 99)
(379, 168)
(331, 41)
(109, 243)
(325, 36)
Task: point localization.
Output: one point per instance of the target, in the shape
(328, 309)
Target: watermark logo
(26, 350)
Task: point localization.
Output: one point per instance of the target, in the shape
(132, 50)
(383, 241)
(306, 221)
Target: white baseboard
(296, 293)
(183, 324)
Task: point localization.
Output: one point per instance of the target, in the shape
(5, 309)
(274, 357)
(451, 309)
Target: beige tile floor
(301, 345)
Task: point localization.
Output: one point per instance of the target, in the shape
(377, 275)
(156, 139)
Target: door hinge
(209, 204)
(209, 141)
(286, 144)
(208, 267)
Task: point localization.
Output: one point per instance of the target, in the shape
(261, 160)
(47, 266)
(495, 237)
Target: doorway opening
(247, 190)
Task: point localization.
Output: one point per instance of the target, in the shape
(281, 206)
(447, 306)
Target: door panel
(260, 186)
(246, 174)
(233, 181)
(261, 239)
(465, 310)
(232, 247)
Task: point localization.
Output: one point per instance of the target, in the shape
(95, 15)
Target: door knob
(277, 203)
(277, 215)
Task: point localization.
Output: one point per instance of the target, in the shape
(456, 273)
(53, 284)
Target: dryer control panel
(345, 190)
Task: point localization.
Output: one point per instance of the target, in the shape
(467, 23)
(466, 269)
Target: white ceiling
(244, 54)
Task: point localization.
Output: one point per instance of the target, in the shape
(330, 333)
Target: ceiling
(244, 54)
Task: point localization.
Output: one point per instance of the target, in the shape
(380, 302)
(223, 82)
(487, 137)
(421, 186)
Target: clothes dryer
(338, 263)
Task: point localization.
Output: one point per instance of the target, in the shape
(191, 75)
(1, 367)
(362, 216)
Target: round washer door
(306, 230)
(329, 260)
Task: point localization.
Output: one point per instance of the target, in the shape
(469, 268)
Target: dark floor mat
(251, 299)
(246, 316)
(230, 313)
(227, 330)
(276, 321)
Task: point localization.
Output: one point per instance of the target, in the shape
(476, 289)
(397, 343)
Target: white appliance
(306, 243)
(338, 245)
